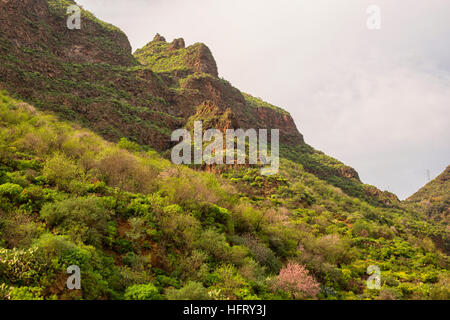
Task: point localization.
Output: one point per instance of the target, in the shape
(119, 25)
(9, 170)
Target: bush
(178, 227)
(184, 187)
(84, 219)
(191, 291)
(214, 216)
(190, 264)
(63, 172)
(13, 192)
(238, 254)
(334, 249)
(246, 218)
(263, 255)
(214, 244)
(142, 292)
(441, 291)
(164, 281)
(124, 143)
(18, 229)
(230, 283)
(123, 170)
(26, 293)
(21, 267)
(138, 228)
(132, 260)
(362, 228)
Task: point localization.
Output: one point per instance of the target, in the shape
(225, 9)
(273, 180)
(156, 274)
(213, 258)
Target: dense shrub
(246, 218)
(21, 266)
(183, 187)
(138, 228)
(26, 293)
(214, 216)
(123, 170)
(18, 229)
(142, 292)
(12, 192)
(191, 265)
(190, 291)
(333, 248)
(84, 219)
(63, 172)
(261, 253)
(214, 244)
(177, 226)
(231, 284)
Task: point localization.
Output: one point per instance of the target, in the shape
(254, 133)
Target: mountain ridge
(85, 181)
(90, 76)
(434, 197)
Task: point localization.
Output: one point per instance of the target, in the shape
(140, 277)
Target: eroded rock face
(201, 60)
(159, 38)
(85, 76)
(284, 122)
(42, 25)
(175, 56)
(348, 172)
(177, 44)
(213, 117)
(111, 98)
(388, 199)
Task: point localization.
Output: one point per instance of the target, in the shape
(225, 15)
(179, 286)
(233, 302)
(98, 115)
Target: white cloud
(390, 121)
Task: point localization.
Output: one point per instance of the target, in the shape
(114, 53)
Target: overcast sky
(378, 100)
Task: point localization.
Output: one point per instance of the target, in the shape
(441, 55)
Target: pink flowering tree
(296, 280)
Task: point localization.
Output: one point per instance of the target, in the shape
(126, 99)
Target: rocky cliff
(91, 77)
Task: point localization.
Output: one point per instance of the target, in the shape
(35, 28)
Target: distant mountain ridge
(434, 197)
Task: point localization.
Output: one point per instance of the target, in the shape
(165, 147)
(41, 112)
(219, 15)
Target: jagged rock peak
(159, 37)
(177, 44)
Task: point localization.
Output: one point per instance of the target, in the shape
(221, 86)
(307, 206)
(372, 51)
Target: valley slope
(84, 180)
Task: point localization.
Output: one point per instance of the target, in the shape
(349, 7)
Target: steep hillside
(434, 198)
(92, 73)
(84, 180)
(140, 227)
(89, 76)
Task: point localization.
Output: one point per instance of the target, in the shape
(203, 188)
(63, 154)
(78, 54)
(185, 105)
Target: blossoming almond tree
(295, 279)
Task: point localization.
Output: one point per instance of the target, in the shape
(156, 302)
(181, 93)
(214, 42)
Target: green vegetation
(140, 227)
(157, 56)
(259, 103)
(59, 8)
(434, 198)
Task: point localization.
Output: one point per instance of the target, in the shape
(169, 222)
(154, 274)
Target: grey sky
(377, 100)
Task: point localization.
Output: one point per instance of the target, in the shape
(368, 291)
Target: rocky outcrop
(162, 56)
(213, 117)
(42, 25)
(348, 172)
(177, 44)
(200, 59)
(385, 198)
(158, 38)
